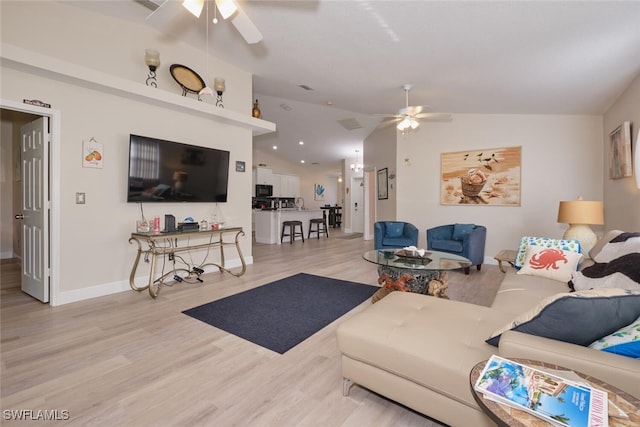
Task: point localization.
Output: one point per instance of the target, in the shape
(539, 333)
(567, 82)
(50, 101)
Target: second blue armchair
(466, 240)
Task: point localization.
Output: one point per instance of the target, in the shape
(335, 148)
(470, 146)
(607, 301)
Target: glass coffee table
(400, 270)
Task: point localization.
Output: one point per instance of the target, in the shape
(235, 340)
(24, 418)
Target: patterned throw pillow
(525, 242)
(625, 341)
(551, 263)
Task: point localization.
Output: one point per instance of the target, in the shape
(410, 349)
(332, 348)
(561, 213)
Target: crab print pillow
(552, 263)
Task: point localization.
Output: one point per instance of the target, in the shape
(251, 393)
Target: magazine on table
(558, 401)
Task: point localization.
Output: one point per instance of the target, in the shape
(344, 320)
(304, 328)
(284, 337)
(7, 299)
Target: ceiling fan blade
(246, 27)
(393, 116)
(434, 117)
(386, 123)
(412, 110)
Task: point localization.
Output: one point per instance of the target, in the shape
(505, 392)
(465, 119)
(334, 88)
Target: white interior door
(357, 207)
(35, 208)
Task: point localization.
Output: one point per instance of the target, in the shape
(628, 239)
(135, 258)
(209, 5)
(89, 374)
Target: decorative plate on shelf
(188, 79)
(412, 254)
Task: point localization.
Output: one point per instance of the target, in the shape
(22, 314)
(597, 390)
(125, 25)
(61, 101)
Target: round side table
(506, 416)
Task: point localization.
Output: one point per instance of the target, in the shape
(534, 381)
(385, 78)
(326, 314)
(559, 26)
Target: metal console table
(166, 244)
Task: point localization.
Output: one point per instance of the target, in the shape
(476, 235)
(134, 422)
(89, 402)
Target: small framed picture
(240, 166)
(620, 164)
(383, 184)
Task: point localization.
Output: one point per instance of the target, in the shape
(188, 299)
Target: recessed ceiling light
(301, 142)
(275, 147)
(301, 161)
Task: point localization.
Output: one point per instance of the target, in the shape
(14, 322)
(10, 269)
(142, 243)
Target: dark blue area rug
(281, 314)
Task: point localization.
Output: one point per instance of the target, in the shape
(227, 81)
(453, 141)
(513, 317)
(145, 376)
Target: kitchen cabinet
(263, 176)
(283, 185)
(286, 185)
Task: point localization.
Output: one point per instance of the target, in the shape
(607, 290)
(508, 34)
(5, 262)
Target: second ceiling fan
(411, 115)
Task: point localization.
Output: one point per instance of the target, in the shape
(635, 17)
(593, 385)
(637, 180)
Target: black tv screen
(165, 171)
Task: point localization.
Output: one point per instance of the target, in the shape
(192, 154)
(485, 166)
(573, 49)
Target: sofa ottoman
(419, 350)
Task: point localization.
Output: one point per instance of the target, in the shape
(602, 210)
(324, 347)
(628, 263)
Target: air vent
(152, 5)
(350, 124)
(305, 87)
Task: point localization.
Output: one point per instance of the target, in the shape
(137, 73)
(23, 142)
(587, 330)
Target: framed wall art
(620, 165)
(240, 166)
(92, 154)
(383, 184)
(481, 177)
(319, 192)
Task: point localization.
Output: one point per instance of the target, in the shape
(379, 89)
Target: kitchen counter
(268, 223)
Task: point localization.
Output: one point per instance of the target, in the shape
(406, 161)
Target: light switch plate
(80, 198)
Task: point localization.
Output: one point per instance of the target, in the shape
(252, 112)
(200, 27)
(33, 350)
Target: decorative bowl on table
(410, 253)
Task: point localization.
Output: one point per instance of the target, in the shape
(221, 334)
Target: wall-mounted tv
(165, 171)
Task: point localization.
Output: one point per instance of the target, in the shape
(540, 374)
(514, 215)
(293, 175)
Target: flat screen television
(165, 171)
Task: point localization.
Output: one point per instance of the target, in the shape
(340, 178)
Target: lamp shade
(581, 212)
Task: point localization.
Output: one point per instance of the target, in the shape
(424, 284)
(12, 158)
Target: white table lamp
(580, 214)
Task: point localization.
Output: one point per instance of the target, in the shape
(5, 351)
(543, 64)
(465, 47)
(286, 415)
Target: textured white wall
(622, 196)
(94, 238)
(561, 159)
(380, 150)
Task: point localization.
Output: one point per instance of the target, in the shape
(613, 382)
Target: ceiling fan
(227, 9)
(411, 115)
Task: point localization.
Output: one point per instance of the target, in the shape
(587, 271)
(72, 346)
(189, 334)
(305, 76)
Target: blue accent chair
(467, 240)
(394, 234)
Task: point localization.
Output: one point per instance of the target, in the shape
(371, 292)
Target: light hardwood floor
(130, 360)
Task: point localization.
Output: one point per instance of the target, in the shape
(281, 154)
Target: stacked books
(558, 401)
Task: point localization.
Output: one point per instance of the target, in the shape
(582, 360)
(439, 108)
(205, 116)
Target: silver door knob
(19, 216)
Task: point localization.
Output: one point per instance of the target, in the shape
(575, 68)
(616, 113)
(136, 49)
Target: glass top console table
(154, 245)
(400, 271)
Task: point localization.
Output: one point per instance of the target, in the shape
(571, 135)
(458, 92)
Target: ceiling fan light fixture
(408, 122)
(226, 8)
(194, 6)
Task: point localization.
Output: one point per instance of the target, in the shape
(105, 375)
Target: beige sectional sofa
(418, 350)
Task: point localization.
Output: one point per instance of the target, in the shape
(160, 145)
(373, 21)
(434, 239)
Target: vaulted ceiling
(325, 67)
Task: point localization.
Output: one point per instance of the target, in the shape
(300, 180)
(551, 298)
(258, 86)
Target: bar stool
(321, 227)
(338, 219)
(292, 231)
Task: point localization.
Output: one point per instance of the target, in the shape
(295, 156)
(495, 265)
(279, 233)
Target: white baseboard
(76, 295)
(7, 255)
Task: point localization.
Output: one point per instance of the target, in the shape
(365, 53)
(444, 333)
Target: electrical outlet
(80, 198)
